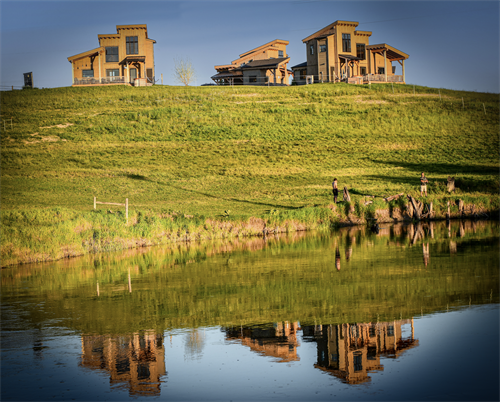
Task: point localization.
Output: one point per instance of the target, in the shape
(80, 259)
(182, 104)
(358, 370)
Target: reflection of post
(97, 288)
(129, 282)
(426, 253)
(431, 226)
(337, 258)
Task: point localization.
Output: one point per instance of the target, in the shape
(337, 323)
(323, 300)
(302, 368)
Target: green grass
(255, 152)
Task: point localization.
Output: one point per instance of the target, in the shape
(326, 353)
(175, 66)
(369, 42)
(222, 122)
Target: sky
(451, 44)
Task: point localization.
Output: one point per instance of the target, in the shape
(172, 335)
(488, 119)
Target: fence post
(126, 208)
(95, 199)
(484, 107)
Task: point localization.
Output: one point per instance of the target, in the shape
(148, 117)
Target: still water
(410, 313)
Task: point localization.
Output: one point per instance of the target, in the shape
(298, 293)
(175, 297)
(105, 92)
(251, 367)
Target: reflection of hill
(351, 351)
(136, 361)
(278, 341)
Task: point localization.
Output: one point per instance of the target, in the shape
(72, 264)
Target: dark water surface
(411, 313)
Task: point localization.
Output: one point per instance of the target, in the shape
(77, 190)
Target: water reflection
(351, 351)
(135, 362)
(278, 340)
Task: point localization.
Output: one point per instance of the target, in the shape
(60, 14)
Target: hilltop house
(339, 52)
(126, 57)
(264, 65)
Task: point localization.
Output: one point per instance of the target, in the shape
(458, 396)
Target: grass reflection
(403, 271)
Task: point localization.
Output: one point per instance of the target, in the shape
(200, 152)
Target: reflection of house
(126, 57)
(279, 341)
(339, 51)
(266, 64)
(351, 351)
(136, 362)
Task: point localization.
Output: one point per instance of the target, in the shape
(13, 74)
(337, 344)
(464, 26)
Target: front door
(133, 75)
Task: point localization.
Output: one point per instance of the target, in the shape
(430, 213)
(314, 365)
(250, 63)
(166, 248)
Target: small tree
(184, 71)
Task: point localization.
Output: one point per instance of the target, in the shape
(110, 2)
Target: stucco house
(264, 65)
(126, 58)
(340, 52)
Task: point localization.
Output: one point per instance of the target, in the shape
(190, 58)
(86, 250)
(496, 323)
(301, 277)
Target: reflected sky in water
(413, 314)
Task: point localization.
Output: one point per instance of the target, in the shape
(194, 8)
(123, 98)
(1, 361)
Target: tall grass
(248, 150)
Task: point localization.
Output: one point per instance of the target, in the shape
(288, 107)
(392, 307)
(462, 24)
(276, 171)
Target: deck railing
(381, 78)
(97, 81)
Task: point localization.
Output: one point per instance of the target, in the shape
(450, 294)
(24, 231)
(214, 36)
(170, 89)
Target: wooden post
(161, 78)
(439, 94)
(484, 107)
(126, 208)
(463, 104)
(385, 64)
(95, 199)
(448, 211)
(129, 282)
(450, 185)
(97, 288)
(413, 89)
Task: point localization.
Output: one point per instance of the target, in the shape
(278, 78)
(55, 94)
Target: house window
(311, 49)
(322, 48)
(280, 53)
(113, 72)
(381, 70)
(252, 78)
(346, 42)
(360, 51)
(362, 70)
(88, 73)
(132, 45)
(111, 54)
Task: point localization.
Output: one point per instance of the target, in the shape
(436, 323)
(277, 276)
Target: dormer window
(280, 53)
(322, 48)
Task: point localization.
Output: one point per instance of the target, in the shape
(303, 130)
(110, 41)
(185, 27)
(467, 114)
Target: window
(322, 48)
(280, 53)
(358, 361)
(132, 45)
(253, 78)
(311, 49)
(360, 51)
(346, 42)
(111, 54)
(381, 70)
(362, 70)
(88, 73)
(113, 73)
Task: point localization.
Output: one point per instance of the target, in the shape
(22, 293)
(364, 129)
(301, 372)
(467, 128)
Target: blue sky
(452, 44)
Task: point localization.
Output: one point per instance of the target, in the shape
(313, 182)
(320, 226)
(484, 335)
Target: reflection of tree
(135, 361)
(351, 351)
(195, 341)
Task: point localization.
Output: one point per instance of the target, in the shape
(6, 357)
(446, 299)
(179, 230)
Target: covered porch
(389, 54)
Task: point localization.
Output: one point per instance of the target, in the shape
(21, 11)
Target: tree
(184, 71)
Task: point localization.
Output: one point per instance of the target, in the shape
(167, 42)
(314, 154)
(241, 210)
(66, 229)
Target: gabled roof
(84, 54)
(266, 63)
(301, 65)
(269, 44)
(323, 32)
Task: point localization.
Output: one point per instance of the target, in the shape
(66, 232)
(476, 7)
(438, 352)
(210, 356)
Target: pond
(409, 313)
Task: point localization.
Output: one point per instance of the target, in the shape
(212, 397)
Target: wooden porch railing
(381, 78)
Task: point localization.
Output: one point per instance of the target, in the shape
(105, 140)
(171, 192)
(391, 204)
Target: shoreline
(96, 239)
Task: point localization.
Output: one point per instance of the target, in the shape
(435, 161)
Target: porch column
(274, 76)
(99, 63)
(385, 64)
(369, 61)
(128, 79)
(404, 79)
(286, 76)
(72, 73)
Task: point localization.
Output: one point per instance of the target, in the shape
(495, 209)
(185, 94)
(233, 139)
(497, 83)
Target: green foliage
(248, 150)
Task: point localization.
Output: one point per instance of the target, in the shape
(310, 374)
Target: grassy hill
(182, 155)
